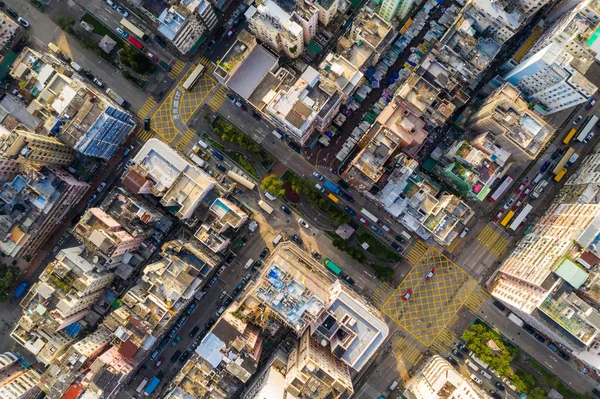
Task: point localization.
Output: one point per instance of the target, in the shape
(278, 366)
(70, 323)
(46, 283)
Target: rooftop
(252, 71)
(170, 22)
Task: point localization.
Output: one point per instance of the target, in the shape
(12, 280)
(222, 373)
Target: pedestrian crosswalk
(218, 98)
(444, 341)
(147, 108)
(454, 244)
(493, 240)
(184, 140)
(207, 63)
(476, 299)
(382, 294)
(144, 135)
(176, 69)
(416, 252)
(407, 351)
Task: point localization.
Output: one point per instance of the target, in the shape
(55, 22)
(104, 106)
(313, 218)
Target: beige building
(327, 10)
(16, 381)
(34, 149)
(307, 15)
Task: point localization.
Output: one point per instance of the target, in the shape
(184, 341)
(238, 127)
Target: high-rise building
(275, 27)
(327, 10)
(17, 381)
(438, 379)
(307, 15)
(549, 77)
(32, 205)
(34, 149)
(395, 8)
(184, 25)
(516, 128)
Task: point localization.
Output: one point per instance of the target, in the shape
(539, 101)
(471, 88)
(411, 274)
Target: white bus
(587, 129)
(521, 217)
(193, 78)
(369, 215)
(132, 28)
(142, 385)
(265, 207)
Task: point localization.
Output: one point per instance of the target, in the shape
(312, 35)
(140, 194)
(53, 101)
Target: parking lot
(435, 299)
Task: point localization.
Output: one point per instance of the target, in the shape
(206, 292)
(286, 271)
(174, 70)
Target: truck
(587, 129)
(265, 207)
(572, 160)
(369, 215)
(332, 267)
(142, 385)
(539, 188)
(331, 187)
(152, 386)
(478, 360)
(217, 155)
(515, 319)
(21, 289)
(560, 175)
(197, 160)
(115, 96)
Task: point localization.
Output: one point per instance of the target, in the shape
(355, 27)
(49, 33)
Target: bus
(569, 136)
(501, 189)
(333, 198)
(563, 161)
(369, 215)
(241, 179)
(133, 29)
(152, 386)
(507, 218)
(587, 129)
(520, 217)
(265, 207)
(332, 267)
(539, 188)
(560, 175)
(193, 78)
(135, 43)
(142, 385)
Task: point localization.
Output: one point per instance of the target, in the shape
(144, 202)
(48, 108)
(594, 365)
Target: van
(553, 347)
(393, 386)
(537, 179)
(249, 263)
(472, 365)
(202, 144)
(486, 375)
(385, 228)
(476, 379)
(318, 187)
(277, 239)
(76, 66)
(269, 196)
(406, 236)
(277, 134)
(464, 232)
(154, 355)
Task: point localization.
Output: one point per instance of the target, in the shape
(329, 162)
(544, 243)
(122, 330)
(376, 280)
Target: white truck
(197, 160)
(113, 94)
(512, 317)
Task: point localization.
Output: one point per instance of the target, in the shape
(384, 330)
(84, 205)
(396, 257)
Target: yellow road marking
(493, 240)
(218, 98)
(382, 293)
(144, 135)
(476, 299)
(146, 108)
(177, 68)
(454, 244)
(407, 351)
(444, 341)
(416, 252)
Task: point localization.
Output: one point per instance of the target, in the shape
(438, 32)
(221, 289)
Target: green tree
(273, 185)
(135, 60)
(65, 23)
(8, 275)
(477, 337)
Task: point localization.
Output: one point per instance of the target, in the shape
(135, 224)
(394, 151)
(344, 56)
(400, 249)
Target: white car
(509, 203)
(123, 12)
(476, 379)
(101, 187)
(318, 175)
(303, 223)
(23, 22)
(122, 33)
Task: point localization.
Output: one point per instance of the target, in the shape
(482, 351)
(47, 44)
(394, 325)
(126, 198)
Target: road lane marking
(546, 363)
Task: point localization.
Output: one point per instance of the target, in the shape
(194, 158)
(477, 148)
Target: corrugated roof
(571, 273)
(299, 113)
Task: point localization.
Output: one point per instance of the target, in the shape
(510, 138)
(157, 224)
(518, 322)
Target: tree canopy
(273, 185)
(477, 337)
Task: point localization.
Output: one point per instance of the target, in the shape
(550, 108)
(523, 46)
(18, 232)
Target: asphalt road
(43, 31)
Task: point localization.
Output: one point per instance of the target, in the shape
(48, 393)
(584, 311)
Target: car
(230, 98)
(172, 332)
(123, 12)
(212, 43)
(23, 22)
(175, 356)
(286, 210)
(596, 392)
(499, 385)
(500, 306)
(463, 348)
(318, 175)
(303, 223)
(230, 33)
(509, 203)
(256, 116)
(528, 328)
(495, 394)
(517, 204)
(315, 254)
(12, 13)
(527, 190)
(577, 120)
(377, 230)
(230, 258)
(111, 3)
(221, 270)
(264, 253)
(152, 56)
(399, 239)
(545, 166)
(350, 211)
(220, 167)
(192, 306)
(539, 337)
(209, 323)
(176, 340)
(98, 82)
(348, 279)
(318, 187)
(476, 379)
(240, 105)
(121, 32)
(101, 187)
(429, 275)
(184, 356)
(408, 294)
(452, 360)
(220, 311)
(463, 233)
(160, 41)
(396, 247)
(363, 220)
(591, 104)
(212, 282)
(563, 356)
(157, 364)
(520, 188)
(92, 198)
(457, 353)
(257, 263)
(296, 239)
(227, 301)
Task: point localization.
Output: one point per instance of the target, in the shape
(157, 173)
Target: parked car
(98, 82)
(185, 356)
(286, 210)
(256, 116)
(539, 337)
(157, 364)
(230, 98)
(12, 13)
(363, 220)
(591, 104)
(545, 166)
(121, 32)
(528, 328)
(318, 175)
(123, 12)
(396, 247)
(463, 348)
(175, 356)
(160, 41)
(230, 33)
(23, 22)
(101, 187)
(152, 56)
(563, 356)
(296, 239)
(348, 279)
(315, 254)
(452, 360)
(577, 120)
(508, 203)
(457, 353)
(350, 211)
(499, 385)
(264, 253)
(212, 43)
(303, 223)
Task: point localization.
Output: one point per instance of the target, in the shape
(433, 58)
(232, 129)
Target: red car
(429, 275)
(520, 188)
(407, 295)
(152, 56)
(517, 204)
(230, 33)
(527, 190)
(157, 364)
(591, 104)
(363, 220)
(498, 216)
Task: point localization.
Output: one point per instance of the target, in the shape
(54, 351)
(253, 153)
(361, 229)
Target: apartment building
(391, 9)
(327, 10)
(438, 379)
(275, 27)
(185, 24)
(10, 31)
(34, 202)
(224, 217)
(517, 128)
(307, 15)
(499, 20)
(159, 171)
(55, 307)
(550, 77)
(17, 380)
(34, 149)
(369, 38)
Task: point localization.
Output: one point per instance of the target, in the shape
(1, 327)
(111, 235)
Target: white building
(184, 25)
(395, 8)
(276, 28)
(16, 381)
